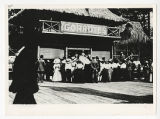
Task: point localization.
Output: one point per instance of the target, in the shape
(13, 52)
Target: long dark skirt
(68, 75)
(48, 74)
(95, 76)
(116, 74)
(129, 74)
(63, 75)
(146, 75)
(135, 74)
(87, 73)
(78, 76)
(24, 98)
(105, 77)
(123, 75)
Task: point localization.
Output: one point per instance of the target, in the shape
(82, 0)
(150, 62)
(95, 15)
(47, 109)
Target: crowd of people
(28, 71)
(86, 69)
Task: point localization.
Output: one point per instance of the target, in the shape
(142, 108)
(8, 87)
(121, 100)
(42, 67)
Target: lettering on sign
(81, 28)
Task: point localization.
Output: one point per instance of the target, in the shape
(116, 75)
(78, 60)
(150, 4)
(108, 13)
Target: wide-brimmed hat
(110, 60)
(73, 57)
(146, 62)
(57, 60)
(68, 60)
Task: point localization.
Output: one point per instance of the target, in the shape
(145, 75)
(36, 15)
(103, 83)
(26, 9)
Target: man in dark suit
(95, 68)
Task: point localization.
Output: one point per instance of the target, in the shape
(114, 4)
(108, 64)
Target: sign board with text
(83, 29)
(63, 27)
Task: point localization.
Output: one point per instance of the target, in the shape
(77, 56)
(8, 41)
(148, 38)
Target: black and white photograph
(80, 56)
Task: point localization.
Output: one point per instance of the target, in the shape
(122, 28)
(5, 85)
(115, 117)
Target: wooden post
(114, 49)
(91, 52)
(112, 52)
(42, 26)
(149, 24)
(38, 52)
(66, 53)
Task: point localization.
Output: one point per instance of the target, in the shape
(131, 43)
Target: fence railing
(55, 28)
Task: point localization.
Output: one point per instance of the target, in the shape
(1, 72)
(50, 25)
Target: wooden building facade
(64, 32)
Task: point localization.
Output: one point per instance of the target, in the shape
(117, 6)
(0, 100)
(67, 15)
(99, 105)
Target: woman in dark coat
(63, 70)
(49, 70)
(24, 82)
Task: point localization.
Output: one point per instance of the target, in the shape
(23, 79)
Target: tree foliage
(141, 15)
(12, 12)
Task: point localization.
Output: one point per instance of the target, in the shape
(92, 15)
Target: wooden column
(91, 52)
(112, 52)
(38, 52)
(66, 52)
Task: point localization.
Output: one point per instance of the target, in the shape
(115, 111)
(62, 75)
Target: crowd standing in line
(86, 69)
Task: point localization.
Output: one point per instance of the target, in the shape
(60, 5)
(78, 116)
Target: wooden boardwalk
(93, 93)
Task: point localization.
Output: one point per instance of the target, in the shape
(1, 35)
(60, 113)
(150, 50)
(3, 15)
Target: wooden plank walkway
(93, 93)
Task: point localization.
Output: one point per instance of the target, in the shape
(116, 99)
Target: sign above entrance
(63, 27)
(81, 28)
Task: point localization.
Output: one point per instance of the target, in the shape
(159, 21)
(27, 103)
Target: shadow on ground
(124, 97)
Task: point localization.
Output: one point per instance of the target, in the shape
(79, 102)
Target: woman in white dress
(57, 74)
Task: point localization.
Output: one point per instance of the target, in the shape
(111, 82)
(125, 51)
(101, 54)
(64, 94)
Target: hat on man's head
(97, 57)
(110, 60)
(57, 60)
(41, 56)
(103, 58)
(68, 60)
